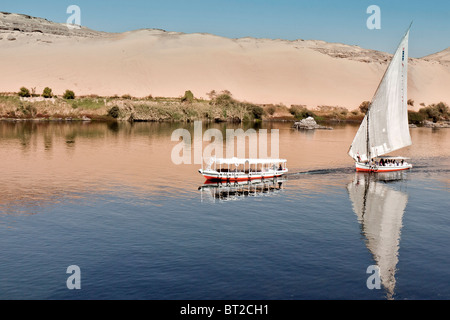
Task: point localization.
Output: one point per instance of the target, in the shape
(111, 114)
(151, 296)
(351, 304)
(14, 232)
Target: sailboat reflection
(221, 191)
(380, 210)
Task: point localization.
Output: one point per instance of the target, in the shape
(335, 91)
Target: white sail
(380, 210)
(385, 127)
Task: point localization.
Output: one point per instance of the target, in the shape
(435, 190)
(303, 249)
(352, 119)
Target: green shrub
(256, 111)
(436, 112)
(32, 110)
(188, 97)
(415, 117)
(301, 112)
(364, 107)
(114, 112)
(271, 110)
(442, 108)
(212, 94)
(47, 93)
(224, 100)
(27, 110)
(24, 92)
(69, 94)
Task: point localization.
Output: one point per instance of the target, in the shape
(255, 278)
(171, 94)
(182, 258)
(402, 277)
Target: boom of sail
(385, 127)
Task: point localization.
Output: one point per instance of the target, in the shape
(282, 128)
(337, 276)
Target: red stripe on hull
(369, 170)
(239, 179)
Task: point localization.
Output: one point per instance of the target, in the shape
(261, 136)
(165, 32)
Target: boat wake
(321, 171)
(350, 170)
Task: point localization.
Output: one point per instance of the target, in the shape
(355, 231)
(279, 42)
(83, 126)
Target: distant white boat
(235, 169)
(385, 127)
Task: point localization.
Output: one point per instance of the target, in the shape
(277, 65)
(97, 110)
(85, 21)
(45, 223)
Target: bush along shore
(220, 107)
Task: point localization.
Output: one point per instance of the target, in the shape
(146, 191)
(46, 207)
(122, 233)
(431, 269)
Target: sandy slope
(163, 63)
(443, 57)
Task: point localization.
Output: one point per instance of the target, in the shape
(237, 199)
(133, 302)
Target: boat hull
(363, 167)
(240, 176)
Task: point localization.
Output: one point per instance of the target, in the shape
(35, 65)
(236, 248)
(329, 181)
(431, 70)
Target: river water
(109, 199)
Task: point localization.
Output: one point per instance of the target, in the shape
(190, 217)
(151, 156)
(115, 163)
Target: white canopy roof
(239, 161)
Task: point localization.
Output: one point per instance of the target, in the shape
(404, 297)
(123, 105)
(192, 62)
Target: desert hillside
(442, 57)
(37, 53)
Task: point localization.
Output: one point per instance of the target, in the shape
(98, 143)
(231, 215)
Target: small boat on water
(236, 169)
(385, 127)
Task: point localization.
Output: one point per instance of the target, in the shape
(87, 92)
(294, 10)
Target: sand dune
(443, 57)
(37, 53)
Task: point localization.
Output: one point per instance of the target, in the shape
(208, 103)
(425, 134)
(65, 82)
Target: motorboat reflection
(213, 191)
(379, 209)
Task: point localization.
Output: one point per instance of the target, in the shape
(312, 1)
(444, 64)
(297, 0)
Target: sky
(342, 21)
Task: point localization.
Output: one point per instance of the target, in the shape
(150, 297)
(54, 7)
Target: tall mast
(368, 137)
(387, 111)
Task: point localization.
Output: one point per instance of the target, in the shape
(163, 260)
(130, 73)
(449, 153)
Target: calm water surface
(108, 198)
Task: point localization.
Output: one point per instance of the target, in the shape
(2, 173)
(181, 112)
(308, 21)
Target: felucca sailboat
(385, 127)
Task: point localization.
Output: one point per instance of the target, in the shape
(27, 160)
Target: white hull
(364, 167)
(235, 169)
(241, 176)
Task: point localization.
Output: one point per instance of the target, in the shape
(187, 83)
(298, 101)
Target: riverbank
(221, 107)
(126, 108)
